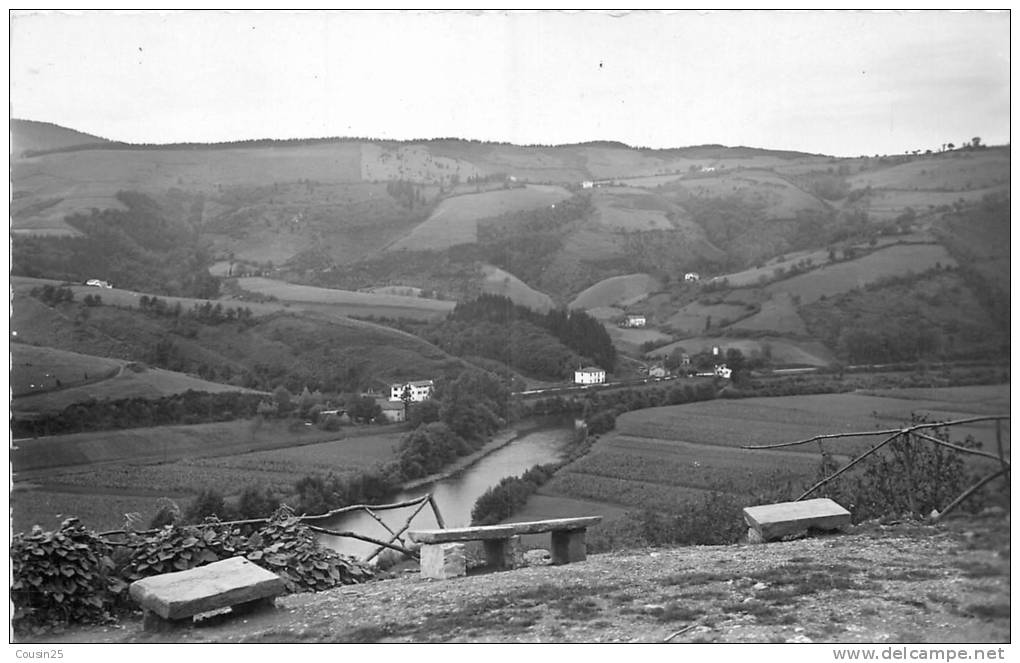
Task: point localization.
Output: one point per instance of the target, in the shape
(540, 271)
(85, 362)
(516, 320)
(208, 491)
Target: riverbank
(498, 441)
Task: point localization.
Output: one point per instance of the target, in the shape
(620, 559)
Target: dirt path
(902, 583)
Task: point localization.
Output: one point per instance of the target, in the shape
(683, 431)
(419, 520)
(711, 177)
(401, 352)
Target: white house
(722, 372)
(692, 276)
(96, 283)
(589, 375)
(657, 371)
(587, 184)
(419, 391)
(635, 321)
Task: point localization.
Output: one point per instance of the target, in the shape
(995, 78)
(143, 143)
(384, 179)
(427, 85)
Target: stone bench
(173, 599)
(769, 522)
(443, 551)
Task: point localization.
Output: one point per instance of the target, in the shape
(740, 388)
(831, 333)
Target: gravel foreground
(894, 583)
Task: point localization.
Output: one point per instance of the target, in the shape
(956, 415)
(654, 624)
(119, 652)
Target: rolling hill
(773, 233)
(32, 136)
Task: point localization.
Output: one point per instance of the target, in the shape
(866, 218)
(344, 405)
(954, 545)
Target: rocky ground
(878, 583)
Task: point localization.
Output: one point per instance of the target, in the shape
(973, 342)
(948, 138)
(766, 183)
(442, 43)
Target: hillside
(878, 584)
(46, 380)
(273, 346)
(775, 236)
(32, 136)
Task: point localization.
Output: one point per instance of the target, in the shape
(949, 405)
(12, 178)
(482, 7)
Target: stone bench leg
(153, 623)
(249, 607)
(443, 560)
(503, 553)
(568, 546)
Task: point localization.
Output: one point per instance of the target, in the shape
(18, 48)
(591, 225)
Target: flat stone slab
(774, 521)
(214, 586)
(503, 531)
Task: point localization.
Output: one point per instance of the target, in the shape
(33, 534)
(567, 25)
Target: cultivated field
(835, 278)
(455, 220)
(616, 291)
(662, 457)
(101, 476)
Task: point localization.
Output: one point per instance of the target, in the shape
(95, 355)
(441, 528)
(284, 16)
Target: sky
(843, 83)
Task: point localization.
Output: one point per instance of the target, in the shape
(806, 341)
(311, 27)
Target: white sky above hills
(843, 83)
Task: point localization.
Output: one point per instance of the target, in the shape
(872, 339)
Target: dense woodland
(549, 345)
(148, 247)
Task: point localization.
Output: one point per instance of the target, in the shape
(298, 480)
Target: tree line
(541, 344)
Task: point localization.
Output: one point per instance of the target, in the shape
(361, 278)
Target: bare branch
(967, 493)
(976, 452)
(849, 465)
(908, 429)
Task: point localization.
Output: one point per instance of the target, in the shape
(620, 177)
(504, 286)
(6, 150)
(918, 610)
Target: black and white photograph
(504, 326)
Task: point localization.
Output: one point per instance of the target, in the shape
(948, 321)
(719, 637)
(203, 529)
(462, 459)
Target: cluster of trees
(406, 193)
(191, 407)
(547, 345)
(144, 247)
(206, 313)
(53, 295)
(465, 413)
(509, 495)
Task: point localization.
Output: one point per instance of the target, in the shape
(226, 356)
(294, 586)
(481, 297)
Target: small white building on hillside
(418, 391)
(635, 321)
(657, 371)
(96, 283)
(589, 375)
(692, 276)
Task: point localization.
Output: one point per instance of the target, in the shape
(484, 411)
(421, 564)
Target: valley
(265, 273)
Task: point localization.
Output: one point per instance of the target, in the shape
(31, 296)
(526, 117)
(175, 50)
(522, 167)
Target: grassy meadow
(835, 278)
(616, 291)
(35, 369)
(661, 458)
(499, 282)
(292, 292)
(455, 220)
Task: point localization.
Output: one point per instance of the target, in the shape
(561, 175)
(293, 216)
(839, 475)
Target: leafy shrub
(289, 549)
(208, 502)
(63, 576)
(909, 475)
(74, 576)
(179, 548)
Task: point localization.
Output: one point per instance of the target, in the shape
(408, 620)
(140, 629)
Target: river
(455, 495)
